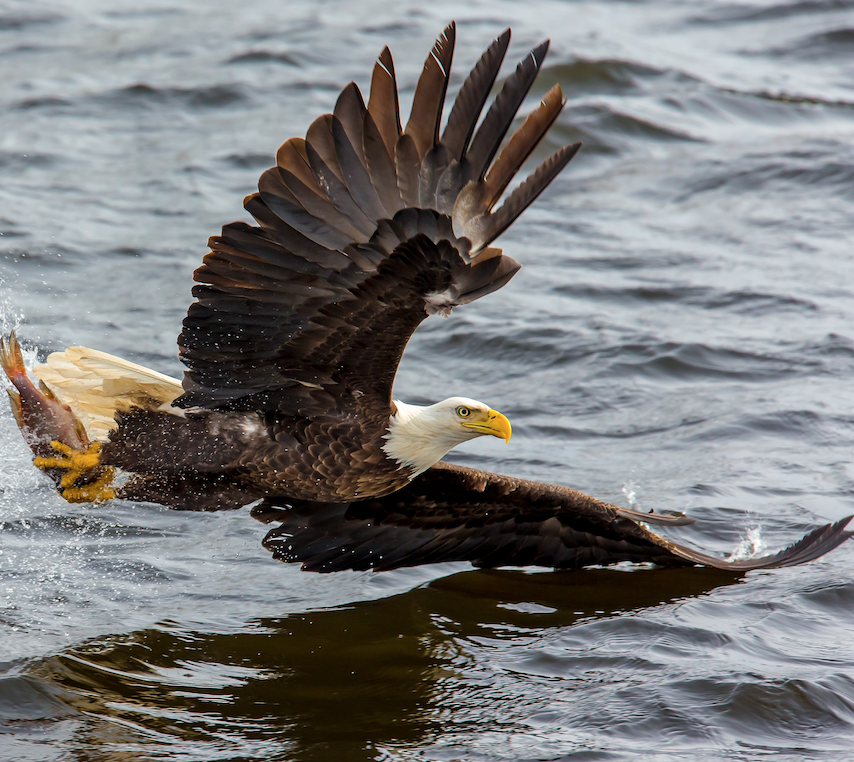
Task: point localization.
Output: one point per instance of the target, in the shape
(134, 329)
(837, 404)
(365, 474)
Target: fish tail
(12, 359)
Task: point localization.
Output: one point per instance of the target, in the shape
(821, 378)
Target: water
(680, 337)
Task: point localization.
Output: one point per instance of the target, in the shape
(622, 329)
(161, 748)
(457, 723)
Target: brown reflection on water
(341, 684)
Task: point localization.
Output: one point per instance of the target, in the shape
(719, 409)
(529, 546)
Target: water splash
(752, 544)
(10, 319)
(18, 476)
(631, 495)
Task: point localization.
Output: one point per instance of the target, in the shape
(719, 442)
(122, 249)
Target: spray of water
(631, 495)
(17, 476)
(752, 544)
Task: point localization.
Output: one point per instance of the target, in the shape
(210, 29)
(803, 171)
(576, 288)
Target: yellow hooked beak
(495, 424)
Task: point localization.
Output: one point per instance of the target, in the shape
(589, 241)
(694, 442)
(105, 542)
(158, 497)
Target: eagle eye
(463, 411)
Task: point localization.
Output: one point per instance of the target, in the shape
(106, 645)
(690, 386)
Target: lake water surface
(681, 338)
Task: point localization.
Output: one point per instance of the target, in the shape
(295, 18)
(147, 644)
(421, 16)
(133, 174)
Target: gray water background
(680, 338)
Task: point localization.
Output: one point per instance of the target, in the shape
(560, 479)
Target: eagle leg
(80, 464)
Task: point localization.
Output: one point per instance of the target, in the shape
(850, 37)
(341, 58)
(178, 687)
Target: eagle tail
(97, 385)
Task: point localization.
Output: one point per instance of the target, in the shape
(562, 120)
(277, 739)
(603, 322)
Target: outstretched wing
(452, 513)
(364, 229)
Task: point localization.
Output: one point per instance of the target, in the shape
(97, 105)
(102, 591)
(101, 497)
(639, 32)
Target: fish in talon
(54, 433)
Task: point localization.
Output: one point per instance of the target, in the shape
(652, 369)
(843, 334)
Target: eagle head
(419, 437)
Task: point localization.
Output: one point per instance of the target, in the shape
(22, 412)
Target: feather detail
(472, 96)
(485, 228)
(97, 385)
(426, 114)
(521, 146)
(383, 105)
(500, 115)
(453, 513)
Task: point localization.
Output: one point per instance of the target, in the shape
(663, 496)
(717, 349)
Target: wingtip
(811, 546)
(385, 59)
(541, 51)
(555, 92)
(448, 36)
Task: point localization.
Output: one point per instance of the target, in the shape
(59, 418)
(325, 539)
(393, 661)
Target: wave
(735, 13)
(740, 301)
(602, 76)
(143, 95)
(17, 22)
(264, 56)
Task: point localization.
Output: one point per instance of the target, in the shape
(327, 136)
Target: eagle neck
(415, 440)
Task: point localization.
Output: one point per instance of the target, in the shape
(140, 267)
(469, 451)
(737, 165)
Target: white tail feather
(96, 386)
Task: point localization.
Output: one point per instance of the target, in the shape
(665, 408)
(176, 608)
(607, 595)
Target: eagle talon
(78, 463)
(94, 492)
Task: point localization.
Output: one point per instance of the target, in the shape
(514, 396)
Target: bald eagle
(364, 229)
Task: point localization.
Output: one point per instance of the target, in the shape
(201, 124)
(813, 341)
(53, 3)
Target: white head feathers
(419, 437)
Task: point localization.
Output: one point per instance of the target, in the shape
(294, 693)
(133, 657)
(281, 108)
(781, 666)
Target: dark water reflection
(343, 684)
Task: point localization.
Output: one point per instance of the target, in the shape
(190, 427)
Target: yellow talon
(77, 463)
(69, 478)
(65, 449)
(94, 492)
(50, 462)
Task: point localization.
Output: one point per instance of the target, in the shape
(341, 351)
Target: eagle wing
(453, 513)
(364, 228)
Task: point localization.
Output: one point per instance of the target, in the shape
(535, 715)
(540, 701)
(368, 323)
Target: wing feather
(350, 111)
(472, 97)
(319, 138)
(293, 158)
(337, 191)
(485, 227)
(500, 115)
(381, 167)
(408, 166)
(452, 513)
(426, 114)
(356, 175)
(522, 145)
(383, 105)
(312, 215)
(363, 230)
